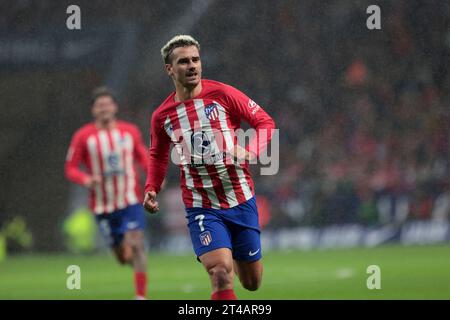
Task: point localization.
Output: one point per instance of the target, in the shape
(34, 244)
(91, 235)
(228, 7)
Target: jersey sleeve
(158, 159)
(246, 109)
(75, 156)
(140, 150)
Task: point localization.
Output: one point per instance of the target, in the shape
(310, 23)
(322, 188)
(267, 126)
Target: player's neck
(105, 125)
(183, 93)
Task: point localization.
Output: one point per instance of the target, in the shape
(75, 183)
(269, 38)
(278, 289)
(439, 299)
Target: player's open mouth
(189, 75)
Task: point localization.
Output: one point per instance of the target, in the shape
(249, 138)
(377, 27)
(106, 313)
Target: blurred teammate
(109, 149)
(200, 118)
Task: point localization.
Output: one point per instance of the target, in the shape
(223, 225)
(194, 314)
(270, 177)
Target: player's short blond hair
(181, 40)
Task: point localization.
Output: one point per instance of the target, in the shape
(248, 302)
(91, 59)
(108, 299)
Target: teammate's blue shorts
(235, 228)
(113, 226)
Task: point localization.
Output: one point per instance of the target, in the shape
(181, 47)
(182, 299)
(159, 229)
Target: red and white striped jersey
(110, 154)
(205, 126)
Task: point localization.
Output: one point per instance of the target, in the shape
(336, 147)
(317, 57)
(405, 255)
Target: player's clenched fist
(150, 204)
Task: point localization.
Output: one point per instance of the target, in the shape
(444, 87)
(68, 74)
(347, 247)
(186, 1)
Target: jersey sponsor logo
(113, 160)
(201, 145)
(211, 111)
(205, 238)
(251, 254)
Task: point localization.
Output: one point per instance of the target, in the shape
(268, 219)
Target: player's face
(186, 66)
(104, 108)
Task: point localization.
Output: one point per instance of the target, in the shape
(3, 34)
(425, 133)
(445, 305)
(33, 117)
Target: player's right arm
(75, 156)
(157, 163)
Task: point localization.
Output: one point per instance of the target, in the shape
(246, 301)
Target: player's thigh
(243, 223)
(111, 230)
(246, 244)
(208, 233)
(247, 256)
(134, 223)
(134, 218)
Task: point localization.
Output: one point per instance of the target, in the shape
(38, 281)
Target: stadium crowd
(371, 141)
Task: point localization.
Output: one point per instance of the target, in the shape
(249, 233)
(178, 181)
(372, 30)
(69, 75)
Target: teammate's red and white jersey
(205, 126)
(110, 154)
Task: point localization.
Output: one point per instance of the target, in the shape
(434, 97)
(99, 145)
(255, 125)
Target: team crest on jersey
(211, 111)
(205, 238)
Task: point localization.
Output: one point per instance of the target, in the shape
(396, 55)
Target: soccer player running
(200, 119)
(109, 149)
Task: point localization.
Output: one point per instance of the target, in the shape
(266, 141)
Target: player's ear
(168, 68)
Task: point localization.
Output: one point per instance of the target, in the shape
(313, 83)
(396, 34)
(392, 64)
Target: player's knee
(252, 283)
(136, 242)
(122, 259)
(124, 255)
(221, 275)
(138, 247)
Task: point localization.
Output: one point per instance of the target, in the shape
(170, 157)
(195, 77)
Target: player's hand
(92, 182)
(150, 204)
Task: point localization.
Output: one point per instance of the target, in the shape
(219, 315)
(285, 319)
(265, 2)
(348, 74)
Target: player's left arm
(246, 109)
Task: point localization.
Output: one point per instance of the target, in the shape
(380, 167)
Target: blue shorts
(236, 228)
(113, 226)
